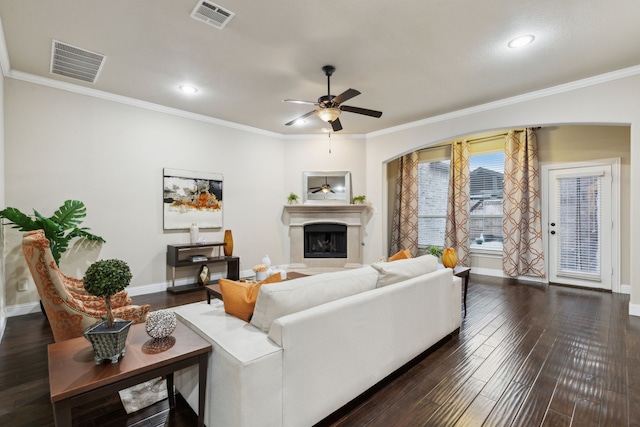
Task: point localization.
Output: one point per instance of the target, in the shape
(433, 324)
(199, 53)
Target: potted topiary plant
(359, 200)
(105, 278)
(292, 198)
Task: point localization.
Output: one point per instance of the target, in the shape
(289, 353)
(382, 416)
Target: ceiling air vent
(71, 61)
(212, 14)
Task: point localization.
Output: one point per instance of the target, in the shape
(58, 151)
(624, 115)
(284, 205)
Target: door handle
(553, 224)
(553, 232)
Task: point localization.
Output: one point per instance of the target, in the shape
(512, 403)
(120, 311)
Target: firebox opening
(325, 241)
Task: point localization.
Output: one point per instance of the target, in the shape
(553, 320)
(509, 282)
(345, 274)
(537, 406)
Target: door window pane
(579, 225)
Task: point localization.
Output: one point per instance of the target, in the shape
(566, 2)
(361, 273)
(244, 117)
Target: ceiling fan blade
(299, 118)
(314, 192)
(358, 110)
(336, 125)
(345, 96)
(297, 101)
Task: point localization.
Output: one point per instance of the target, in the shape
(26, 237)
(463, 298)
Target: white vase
(266, 261)
(194, 233)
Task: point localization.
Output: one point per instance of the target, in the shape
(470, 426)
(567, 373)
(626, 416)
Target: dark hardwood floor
(527, 355)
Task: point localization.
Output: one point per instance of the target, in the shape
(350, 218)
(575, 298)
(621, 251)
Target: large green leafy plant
(105, 278)
(60, 228)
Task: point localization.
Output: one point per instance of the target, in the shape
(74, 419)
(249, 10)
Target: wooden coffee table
(75, 379)
(213, 290)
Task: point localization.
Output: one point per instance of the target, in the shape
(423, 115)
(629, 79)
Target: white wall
(612, 102)
(3, 302)
(63, 145)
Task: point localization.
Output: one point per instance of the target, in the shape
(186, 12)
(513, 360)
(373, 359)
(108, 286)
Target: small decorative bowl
(161, 323)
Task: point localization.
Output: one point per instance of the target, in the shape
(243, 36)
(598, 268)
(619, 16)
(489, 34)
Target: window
(485, 204)
(433, 193)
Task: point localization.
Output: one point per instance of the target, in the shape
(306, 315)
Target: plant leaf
(70, 214)
(83, 232)
(19, 220)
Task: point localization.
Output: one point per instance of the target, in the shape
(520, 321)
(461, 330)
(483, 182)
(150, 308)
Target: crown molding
(554, 90)
(70, 87)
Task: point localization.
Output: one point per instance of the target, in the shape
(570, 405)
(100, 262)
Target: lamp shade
(328, 114)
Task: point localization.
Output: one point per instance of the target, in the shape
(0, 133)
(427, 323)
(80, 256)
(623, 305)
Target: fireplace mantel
(353, 216)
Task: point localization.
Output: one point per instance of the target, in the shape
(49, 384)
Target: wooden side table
(74, 379)
(463, 273)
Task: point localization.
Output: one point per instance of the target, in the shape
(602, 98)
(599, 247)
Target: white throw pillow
(291, 296)
(403, 269)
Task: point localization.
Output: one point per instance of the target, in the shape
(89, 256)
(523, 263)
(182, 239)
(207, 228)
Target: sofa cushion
(291, 296)
(403, 269)
(402, 254)
(240, 297)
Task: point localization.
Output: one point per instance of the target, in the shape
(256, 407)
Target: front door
(580, 226)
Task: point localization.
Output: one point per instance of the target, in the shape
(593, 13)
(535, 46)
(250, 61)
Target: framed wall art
(191, 197)
(330, 186)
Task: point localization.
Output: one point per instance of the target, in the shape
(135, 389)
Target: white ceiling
(411, 59)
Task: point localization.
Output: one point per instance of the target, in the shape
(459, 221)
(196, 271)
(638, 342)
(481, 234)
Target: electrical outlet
(22, 285)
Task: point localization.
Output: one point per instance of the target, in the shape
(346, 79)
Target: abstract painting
(191, 197)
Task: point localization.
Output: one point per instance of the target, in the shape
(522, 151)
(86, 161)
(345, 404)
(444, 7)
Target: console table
(178, 257)
(75, 379)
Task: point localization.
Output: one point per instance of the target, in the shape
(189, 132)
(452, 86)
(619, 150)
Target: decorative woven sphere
(161, 323)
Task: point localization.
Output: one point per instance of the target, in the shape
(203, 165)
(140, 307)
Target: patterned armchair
(69, 307)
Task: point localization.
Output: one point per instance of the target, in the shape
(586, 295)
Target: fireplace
(325, 235)
(325, 241)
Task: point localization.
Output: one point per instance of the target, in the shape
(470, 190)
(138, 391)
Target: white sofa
(316, 343)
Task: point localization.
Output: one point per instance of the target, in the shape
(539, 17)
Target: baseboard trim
(625, 289)
(634, 309)
(22, 309)
(3, 326)
(499, 273)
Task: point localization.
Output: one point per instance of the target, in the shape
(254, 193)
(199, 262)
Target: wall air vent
(212, 14)
(74, 62)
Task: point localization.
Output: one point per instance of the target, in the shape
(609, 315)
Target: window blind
(578, 231)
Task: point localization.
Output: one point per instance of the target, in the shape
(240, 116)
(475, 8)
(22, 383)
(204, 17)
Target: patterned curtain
(457, 229)
(404, 226)
(521, 218)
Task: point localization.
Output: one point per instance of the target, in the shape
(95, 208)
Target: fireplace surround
(321, 217)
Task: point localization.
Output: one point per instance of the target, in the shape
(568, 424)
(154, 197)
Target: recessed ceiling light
(521, 41)
(188, 89)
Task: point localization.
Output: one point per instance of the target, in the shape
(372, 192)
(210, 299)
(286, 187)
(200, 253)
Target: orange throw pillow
(239, 298)
(402, 254)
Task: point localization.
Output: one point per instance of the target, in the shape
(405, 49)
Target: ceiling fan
(330, 106)
(325, 188)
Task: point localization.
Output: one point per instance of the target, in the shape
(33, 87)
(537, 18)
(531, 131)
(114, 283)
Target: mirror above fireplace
(327, 187)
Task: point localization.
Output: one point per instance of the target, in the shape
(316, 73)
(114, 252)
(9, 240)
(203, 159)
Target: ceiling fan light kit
(330, 106)
(328, 114)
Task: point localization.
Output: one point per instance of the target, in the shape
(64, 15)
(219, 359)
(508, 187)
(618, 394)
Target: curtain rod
(475, 140)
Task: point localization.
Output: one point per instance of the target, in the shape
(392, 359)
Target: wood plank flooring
(527, 355)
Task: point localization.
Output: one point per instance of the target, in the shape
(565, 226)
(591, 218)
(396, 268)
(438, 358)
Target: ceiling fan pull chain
(329, 143)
